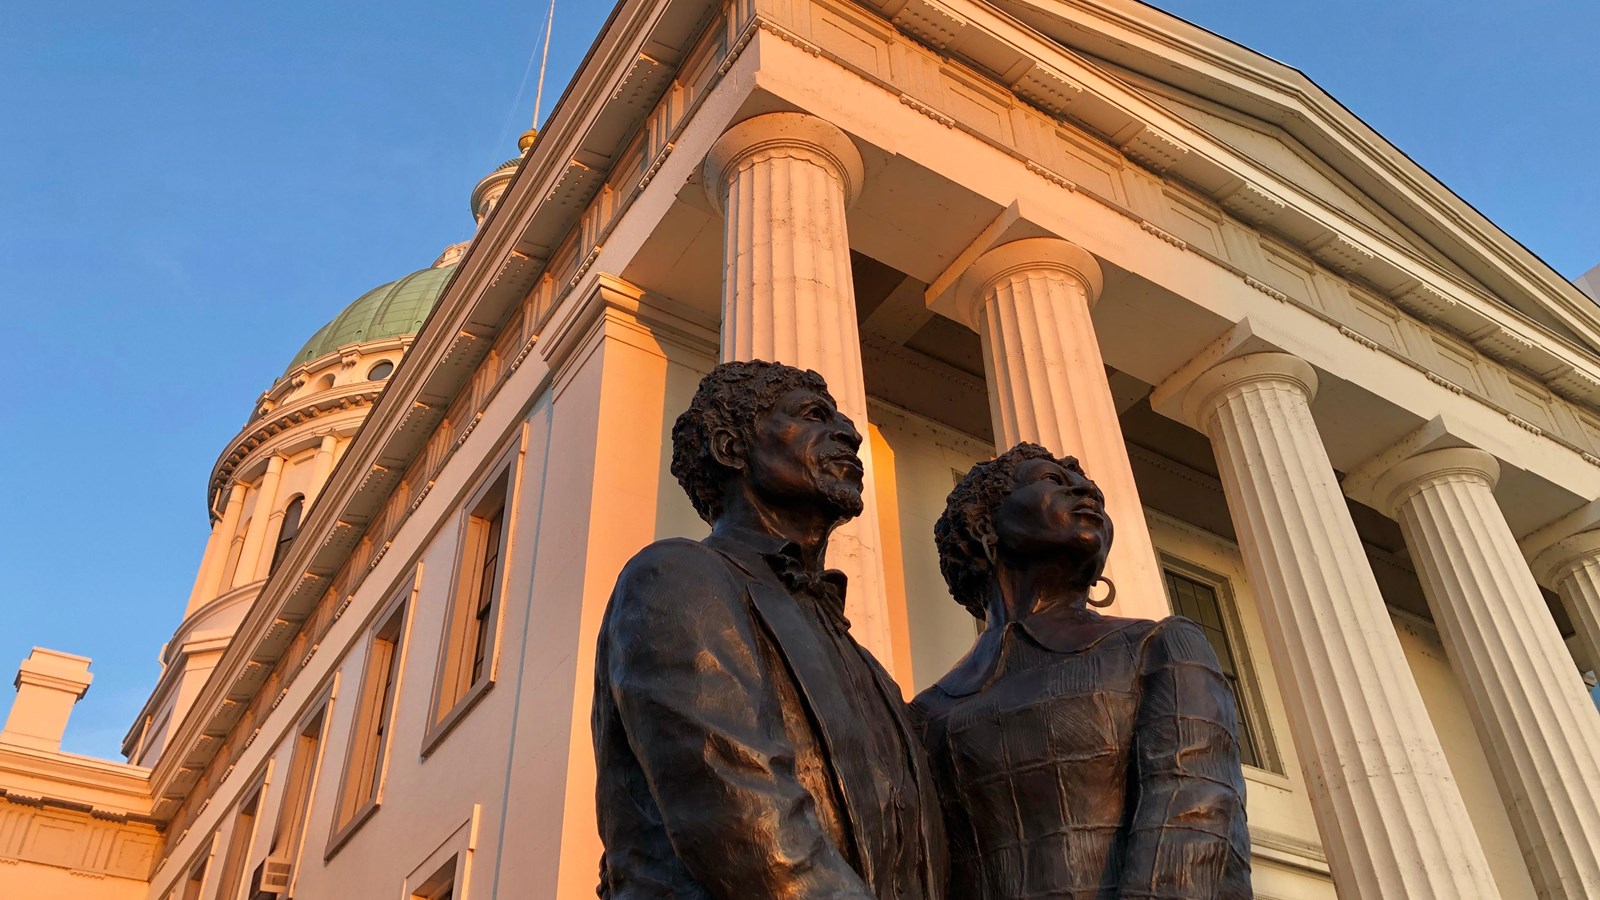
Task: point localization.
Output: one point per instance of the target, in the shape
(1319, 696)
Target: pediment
(1272, 116)
(1277, 151)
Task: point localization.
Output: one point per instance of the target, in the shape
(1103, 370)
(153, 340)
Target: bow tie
(826, 587)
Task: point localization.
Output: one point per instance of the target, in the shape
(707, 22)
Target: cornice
(105, 789)
(280, 426)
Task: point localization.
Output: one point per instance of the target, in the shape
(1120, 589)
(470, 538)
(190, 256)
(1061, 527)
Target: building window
(292, 812)
(325, 383)
(369, 736)
(1201, 597)
(244, 831)
(196, 882)
(381, 371)
(288, 529)
(439, 886)
(466, 666)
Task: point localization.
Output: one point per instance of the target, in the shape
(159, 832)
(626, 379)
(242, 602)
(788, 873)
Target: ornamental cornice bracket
(1047, 89)
(932, 23)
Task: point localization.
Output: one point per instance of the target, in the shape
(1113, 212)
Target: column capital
(1035, 254)
(1207, 391)
(1414, 474)
(1567, 554)
(784, 133)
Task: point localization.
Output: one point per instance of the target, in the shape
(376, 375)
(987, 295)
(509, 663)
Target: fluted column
(1573, 566)
(208, 581)
(1030, 302)
(255, 537)
(1527, 700)
(1392, 819)
(322, 466)
(783, 182)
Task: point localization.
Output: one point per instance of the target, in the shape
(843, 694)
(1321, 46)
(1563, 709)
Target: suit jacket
(729, 765)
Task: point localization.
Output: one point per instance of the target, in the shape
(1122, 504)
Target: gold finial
(526, 141)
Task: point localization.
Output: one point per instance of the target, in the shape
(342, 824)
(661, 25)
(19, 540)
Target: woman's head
(1024, 505)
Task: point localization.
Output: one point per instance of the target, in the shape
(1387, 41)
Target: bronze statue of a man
(1077, 755)
(747, 747)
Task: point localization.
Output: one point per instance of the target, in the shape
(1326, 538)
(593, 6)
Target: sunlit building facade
(1342, 421)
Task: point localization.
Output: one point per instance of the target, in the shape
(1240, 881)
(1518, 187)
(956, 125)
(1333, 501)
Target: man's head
(1023, 505)
(772, 431)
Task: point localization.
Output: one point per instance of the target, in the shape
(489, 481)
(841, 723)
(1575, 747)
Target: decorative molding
(927, 110)
(1252, 204)
(583, 267)
(1051, 177)
(1343, 255)
(789, 37)
(656, 164)
(1267, 289)
(1047, 89)
(1156, 230)
(1358, 337)
(734, 52)
(1445, 383)
(930, 22)
(1155, 150)
(1525, 425)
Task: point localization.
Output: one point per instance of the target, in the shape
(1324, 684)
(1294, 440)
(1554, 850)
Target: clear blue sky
(188, 191)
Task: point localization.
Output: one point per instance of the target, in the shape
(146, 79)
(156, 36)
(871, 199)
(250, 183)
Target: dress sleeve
(705, 722)
(1188, 838)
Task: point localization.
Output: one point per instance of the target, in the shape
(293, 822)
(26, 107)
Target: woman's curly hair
(731, 396)
(968, 518)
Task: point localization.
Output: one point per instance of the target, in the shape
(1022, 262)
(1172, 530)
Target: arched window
(380, 371)
(325, 382)
(290, 528)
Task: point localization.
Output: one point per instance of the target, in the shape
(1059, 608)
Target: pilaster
(255, 537)
(208, 581)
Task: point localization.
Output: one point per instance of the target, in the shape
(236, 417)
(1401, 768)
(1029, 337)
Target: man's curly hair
(731, 396)
(969, 515)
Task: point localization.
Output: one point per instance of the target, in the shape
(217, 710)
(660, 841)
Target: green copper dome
(392, 310)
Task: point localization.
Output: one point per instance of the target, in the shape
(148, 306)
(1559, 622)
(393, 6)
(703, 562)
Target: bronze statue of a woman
(1077, 755)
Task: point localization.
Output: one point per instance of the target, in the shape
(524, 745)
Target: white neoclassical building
(1342, 420)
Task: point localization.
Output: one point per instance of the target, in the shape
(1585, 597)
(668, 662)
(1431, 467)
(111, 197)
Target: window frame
(455, 690)
(1252, 700)
(447, 870)
(200, 865)
(281, 543)
(376, 707)
(297, 801)
(236, 855)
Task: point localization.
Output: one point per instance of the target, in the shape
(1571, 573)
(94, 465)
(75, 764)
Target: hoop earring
(1111, 594)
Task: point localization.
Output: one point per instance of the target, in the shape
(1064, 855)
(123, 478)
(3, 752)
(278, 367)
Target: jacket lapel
(800, 648)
